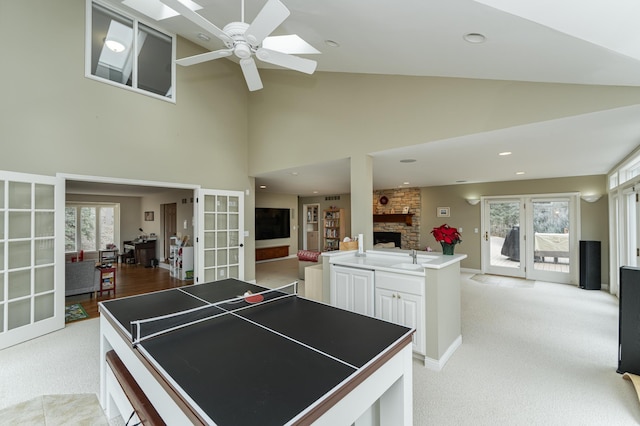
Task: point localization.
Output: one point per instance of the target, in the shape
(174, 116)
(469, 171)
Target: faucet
(414, 256)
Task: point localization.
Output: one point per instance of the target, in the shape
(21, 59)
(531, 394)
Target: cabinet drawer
(400, 282)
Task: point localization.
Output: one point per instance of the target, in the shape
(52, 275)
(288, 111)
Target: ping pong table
(254, 356)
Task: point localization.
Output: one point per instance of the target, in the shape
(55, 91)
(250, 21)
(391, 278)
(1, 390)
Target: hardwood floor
(130, 280)
(136, 279)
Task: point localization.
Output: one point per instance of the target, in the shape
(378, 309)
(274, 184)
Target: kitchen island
(415, 289)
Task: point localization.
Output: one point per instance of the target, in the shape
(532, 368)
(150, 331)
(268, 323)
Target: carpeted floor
(501, 281)
(541, 354)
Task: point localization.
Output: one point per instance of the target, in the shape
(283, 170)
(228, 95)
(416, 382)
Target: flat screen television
(272, 223)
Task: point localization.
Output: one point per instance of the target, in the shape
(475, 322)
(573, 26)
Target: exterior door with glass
(503, 242)
(31, 256)
(531, 237)
(553, 247)
(220, 243)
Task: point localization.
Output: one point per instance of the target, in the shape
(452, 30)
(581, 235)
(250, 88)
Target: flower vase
(447, 248)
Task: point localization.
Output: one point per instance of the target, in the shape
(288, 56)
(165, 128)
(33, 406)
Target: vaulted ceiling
(559, 41)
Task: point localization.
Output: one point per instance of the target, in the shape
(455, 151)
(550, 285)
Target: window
(90, 227)
(127, 53)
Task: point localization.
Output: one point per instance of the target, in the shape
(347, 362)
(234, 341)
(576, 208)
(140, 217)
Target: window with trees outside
(89, 227)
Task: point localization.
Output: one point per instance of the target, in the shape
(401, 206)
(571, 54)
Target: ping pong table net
(148, 328)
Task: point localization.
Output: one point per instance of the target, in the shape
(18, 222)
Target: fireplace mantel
(406, 218)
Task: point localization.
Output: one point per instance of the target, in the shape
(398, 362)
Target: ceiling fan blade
(203, 57)
(287, 61)
(250, 71)
(270, 17)
(196, 19)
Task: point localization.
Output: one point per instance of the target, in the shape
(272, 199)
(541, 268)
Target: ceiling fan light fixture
(242, 51)
(474, 38)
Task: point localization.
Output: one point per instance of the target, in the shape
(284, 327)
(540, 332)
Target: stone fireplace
(396, 202)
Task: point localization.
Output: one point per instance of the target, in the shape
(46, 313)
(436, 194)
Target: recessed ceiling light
(263, 186)
(474, 38)
(519, 173)
(315, 192)
(203, 37)
(408, 160)
(332, 43)
(294, 173)
(461, 181)
(504, 153)
(114, 46)
(405, 183)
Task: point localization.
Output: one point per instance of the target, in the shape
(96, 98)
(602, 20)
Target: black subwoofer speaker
(629, 321)
(590, 265)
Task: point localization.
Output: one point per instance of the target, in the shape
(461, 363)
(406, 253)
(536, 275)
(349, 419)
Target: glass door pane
(503, 240)
(552, 242)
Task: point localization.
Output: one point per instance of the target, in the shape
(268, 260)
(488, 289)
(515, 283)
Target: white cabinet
(400, 299)
(181, 262)
(352, 289)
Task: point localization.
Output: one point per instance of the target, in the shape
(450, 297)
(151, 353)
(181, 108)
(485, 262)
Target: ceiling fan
(245, 41)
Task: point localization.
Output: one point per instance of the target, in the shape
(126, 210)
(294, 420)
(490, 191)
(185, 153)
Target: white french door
(220, 242)
(503, 242)
(535, 237)
(31, 256)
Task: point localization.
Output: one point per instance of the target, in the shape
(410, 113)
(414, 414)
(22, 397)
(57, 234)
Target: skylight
(156, 10)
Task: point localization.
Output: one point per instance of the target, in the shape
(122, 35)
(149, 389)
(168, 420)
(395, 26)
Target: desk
(144, 251)
(287, 361)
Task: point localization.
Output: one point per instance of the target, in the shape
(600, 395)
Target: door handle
(486, 235)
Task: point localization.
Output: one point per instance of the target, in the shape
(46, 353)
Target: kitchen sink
(408, 266)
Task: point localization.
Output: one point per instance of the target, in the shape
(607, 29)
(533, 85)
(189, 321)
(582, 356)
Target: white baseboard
(470, 271)
(438, 364)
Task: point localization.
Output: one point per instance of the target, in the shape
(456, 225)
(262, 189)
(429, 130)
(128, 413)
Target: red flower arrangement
(446, 234)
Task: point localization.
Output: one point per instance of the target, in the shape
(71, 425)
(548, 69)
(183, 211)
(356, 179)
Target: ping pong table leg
(396, 404)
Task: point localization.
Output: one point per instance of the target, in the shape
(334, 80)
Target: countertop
(399, 261)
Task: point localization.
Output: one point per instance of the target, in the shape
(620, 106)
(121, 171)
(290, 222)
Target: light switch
(475, 230)
(185, 224)
(460, 229)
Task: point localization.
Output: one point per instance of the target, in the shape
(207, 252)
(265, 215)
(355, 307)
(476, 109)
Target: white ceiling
(564, 41)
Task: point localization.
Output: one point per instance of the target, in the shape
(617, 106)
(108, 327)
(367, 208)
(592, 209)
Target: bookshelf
(334, 229)
(181, 262)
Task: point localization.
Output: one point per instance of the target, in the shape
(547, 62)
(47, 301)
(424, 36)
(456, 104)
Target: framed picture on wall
(148, 216)
(443, 212)
(405, 210)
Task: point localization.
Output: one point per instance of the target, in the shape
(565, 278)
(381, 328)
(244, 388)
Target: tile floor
(53, 410)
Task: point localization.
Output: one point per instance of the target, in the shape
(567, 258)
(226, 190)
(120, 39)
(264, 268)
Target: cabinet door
(409, 314)
(341, 288)
(385, 305)
(362, 292)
